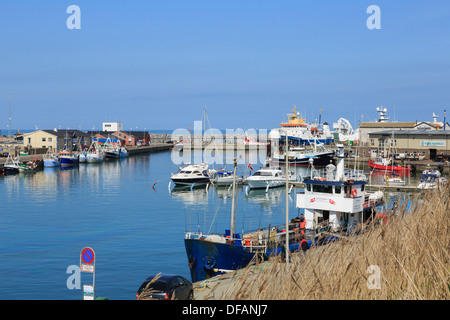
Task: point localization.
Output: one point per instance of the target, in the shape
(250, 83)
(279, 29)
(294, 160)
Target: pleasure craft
(197, 174)
(431, 179)
(266, 177)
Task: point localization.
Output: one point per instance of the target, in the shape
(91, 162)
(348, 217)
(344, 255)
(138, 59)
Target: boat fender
(382, 216)
(304, 244)
(354, 192)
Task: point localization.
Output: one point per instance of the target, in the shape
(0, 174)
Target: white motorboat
(197, 174)
(225, 178)
(431, 179)
(266, 177)
(394, 181)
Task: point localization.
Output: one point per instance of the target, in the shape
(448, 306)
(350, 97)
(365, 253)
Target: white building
(112, 126)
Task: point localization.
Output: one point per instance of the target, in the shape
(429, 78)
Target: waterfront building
(55, 139)
(112, 126)
(431, 142)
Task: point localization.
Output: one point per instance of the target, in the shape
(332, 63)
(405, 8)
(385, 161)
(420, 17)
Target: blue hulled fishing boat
(335, 205)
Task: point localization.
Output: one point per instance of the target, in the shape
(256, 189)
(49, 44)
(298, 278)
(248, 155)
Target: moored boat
(11, 165)
(225, 178)
(266, 177)
(95, 154)
(51, 160)
(386, 164)
(197, 174)
(28, 167)
(431, 179)
(300, 133)
(336, 203)
(68, 158)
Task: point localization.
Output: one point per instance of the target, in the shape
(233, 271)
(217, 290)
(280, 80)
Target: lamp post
(287, 195)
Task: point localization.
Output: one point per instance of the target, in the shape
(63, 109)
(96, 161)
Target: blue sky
(157, 64)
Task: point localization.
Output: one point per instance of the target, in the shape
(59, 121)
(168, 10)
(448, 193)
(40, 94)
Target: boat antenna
(10, 116)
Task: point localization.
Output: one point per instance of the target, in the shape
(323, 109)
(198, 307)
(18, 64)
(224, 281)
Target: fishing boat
(28, 167)
(386, 164)
(82, 157)
(68, 158)
(212, 254)
(51, 160)
(95, 154)
(11, 165)
(386, 161)
(431, 179)
(266, 177)
(115, 152)
(197, 174)
(336, 203)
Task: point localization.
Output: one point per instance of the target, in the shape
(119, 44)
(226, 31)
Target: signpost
(87, 264)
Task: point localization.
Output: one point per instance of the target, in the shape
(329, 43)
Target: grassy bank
(406, 258)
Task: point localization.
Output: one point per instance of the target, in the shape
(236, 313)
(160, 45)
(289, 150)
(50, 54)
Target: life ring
(381, 216)
(354, 192)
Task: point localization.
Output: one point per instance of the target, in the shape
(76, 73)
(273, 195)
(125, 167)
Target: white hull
(262, 184)
(221, 182)
(94, 158)
(82, 157)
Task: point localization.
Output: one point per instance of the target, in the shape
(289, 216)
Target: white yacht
(431, 179)
(225, 178)
(192, 174)
(266, 177)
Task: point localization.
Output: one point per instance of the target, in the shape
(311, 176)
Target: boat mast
(287, 202)
(10, 116)
(232, 222)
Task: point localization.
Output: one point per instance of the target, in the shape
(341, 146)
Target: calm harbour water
(46, 219)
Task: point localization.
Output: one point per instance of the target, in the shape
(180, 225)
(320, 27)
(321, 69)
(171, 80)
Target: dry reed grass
(411, 252)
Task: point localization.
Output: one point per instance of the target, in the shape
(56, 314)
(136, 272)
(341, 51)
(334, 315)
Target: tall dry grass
(411, 252)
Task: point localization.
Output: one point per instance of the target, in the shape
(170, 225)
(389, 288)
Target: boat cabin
(337, 204)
